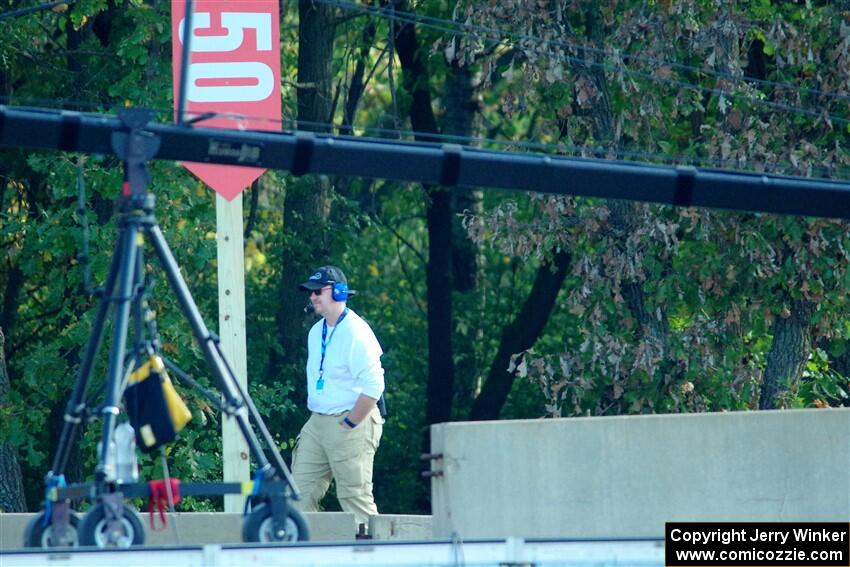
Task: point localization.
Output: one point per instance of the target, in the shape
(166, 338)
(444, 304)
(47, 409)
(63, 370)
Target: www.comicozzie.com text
(750, 555)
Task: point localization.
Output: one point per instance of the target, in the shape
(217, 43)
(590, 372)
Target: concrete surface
(400, 527)
(626, 476)
(191, 528)
(510, 552)
(198, 528)
(222, 527)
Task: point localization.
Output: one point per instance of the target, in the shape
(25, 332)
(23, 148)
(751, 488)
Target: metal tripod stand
(109, 522)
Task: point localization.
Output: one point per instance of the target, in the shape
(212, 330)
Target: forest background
(489, 304)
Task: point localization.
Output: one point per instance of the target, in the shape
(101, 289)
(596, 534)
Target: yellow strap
(140, 373)
(177, 410)
(154, 364)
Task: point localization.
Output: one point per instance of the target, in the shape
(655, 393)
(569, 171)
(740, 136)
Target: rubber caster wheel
(37, 535)
(93, 530)
(257, 526)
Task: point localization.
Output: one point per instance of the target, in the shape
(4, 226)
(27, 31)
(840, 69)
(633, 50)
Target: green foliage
(674, 310)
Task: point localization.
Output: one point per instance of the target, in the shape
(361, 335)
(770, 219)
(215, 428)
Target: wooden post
(231, 324)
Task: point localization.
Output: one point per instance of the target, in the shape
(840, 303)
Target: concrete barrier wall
(400, 527)
(627, 476)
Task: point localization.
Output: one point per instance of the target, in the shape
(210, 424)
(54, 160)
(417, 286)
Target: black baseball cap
(326, 275)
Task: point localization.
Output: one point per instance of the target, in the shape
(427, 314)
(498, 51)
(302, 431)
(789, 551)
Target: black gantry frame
(438, 164)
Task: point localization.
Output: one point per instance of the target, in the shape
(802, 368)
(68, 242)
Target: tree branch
(520, 335)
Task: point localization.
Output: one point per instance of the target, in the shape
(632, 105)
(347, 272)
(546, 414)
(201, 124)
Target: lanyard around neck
(327, 342)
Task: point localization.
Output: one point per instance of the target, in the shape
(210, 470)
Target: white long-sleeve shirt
(352, 365)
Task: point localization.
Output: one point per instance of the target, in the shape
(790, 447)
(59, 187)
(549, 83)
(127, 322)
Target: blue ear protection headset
(340, 291)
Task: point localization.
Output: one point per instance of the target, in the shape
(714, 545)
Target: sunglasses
(317, 291)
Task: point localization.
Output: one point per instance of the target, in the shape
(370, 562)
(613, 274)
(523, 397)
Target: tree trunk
(521, 335)
(459, 114)
(75, 38)
(841, 364)
(651, 325)
(307, 201)
(358, 85)
(440, 388)
(648, 326)
(11, 291)
(356, 88)
(788, 354)
(458, 117)
(439, 391)
(316, 31)
(11, 483)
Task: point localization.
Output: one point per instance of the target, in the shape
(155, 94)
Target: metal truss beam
(437, 164)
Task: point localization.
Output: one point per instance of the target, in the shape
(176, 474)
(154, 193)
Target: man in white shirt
(345, 379)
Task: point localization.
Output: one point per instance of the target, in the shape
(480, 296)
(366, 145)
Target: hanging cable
(83, 257)
(410, 18)
(472, 30)
(441, 24)
(185, 61)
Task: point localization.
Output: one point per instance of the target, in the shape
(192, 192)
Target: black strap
(69, 131)
(303, 154)
(683, 195)
(450, 170)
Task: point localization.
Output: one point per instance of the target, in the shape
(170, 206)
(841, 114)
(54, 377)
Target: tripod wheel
(257, 526)
(94, 530)
(37, 535)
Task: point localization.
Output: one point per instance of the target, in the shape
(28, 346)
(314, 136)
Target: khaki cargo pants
(325, 450)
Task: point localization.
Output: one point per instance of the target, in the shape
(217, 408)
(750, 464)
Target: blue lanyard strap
(327, 342)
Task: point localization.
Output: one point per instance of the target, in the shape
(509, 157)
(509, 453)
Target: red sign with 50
(234, 73)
